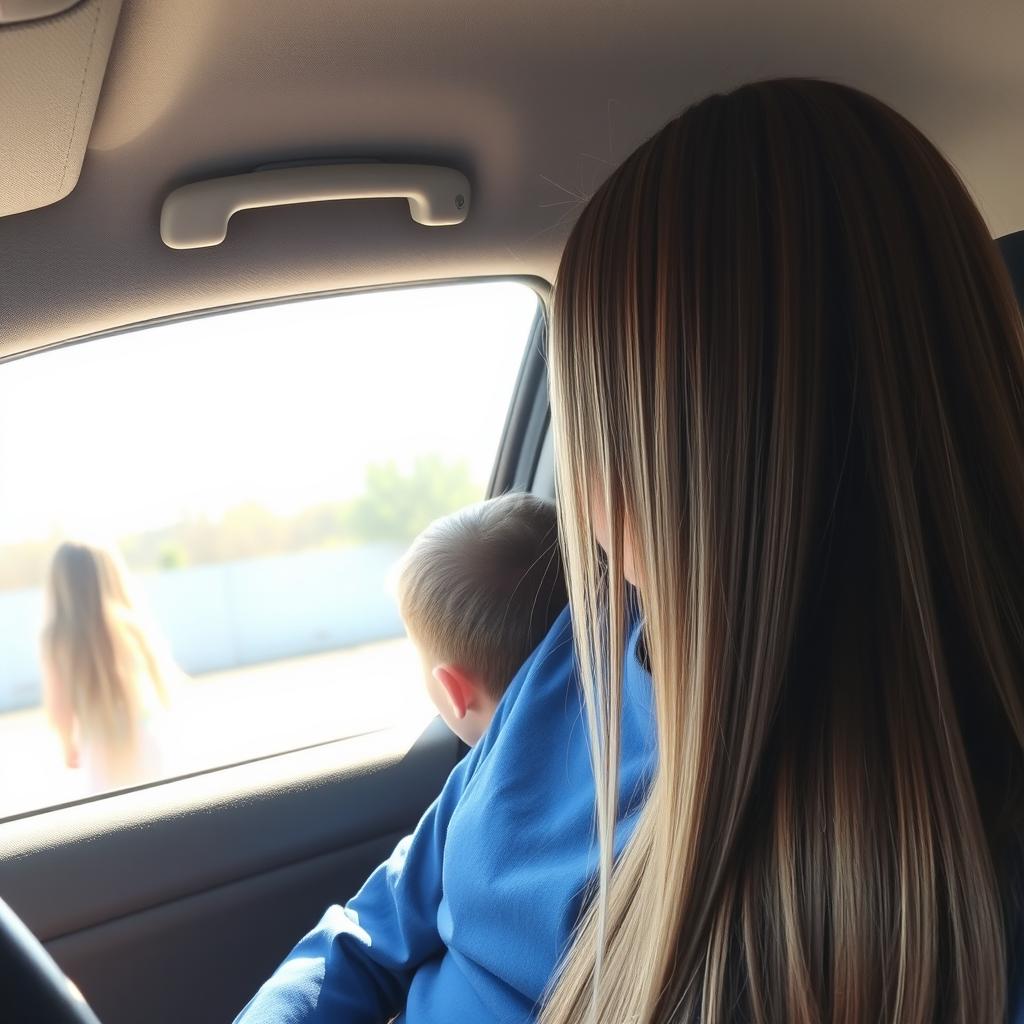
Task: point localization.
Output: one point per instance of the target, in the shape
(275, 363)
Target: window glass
(212, 509)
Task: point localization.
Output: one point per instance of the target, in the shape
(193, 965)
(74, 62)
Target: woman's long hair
(102, 653)
(788, 375)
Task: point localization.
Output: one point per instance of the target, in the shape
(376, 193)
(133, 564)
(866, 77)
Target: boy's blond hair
(480, 588)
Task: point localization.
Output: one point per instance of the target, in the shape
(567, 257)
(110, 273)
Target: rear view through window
(200, 520)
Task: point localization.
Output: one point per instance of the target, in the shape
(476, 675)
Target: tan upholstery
(50, 75)
(533, 100)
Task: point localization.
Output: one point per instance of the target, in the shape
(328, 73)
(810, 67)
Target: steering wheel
(33, 989)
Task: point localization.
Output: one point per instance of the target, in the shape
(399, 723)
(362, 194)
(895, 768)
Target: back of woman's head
(788, 373)
(100, 650)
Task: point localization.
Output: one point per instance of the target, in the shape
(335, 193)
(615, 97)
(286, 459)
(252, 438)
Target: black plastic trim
(528, 416)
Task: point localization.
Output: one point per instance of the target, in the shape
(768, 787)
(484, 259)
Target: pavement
(225, 717)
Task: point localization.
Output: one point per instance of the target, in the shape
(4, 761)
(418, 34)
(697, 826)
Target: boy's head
(478, 590)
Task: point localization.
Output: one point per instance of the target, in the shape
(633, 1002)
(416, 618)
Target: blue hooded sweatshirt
(468, 919)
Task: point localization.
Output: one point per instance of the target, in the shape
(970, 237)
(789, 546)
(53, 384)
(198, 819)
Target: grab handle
(197, 215)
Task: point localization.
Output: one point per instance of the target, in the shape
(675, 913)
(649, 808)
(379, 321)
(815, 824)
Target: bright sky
(284, 405)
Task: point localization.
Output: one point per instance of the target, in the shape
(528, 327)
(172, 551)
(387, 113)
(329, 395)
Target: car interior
(167, 163)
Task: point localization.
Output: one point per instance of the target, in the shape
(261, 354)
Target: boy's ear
(458, 687)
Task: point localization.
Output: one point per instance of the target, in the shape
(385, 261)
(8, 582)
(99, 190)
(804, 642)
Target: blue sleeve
(357, 963)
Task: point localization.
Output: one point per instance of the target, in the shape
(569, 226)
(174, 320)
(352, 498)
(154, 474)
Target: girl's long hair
(788, 376)
(102, 652)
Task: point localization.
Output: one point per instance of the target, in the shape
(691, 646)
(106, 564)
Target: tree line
(394, 506)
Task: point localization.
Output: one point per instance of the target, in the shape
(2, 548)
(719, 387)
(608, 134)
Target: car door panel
(200, 958)
(173, 902)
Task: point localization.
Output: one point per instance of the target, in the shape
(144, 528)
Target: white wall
(20, 616)
(240, 613)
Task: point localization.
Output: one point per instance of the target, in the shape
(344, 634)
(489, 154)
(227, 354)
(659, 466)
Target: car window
(200, 520)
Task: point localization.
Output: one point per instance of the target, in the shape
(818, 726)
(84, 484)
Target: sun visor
(51, 69)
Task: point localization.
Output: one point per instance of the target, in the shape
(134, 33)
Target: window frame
(541, 288)
(520, 448)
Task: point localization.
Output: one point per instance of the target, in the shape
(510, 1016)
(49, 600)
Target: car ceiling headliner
(535, 100)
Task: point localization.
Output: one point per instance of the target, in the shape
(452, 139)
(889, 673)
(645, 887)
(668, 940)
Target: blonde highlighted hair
(788, 374)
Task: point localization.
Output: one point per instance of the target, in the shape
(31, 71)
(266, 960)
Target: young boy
(467, 920)
(478, 591)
